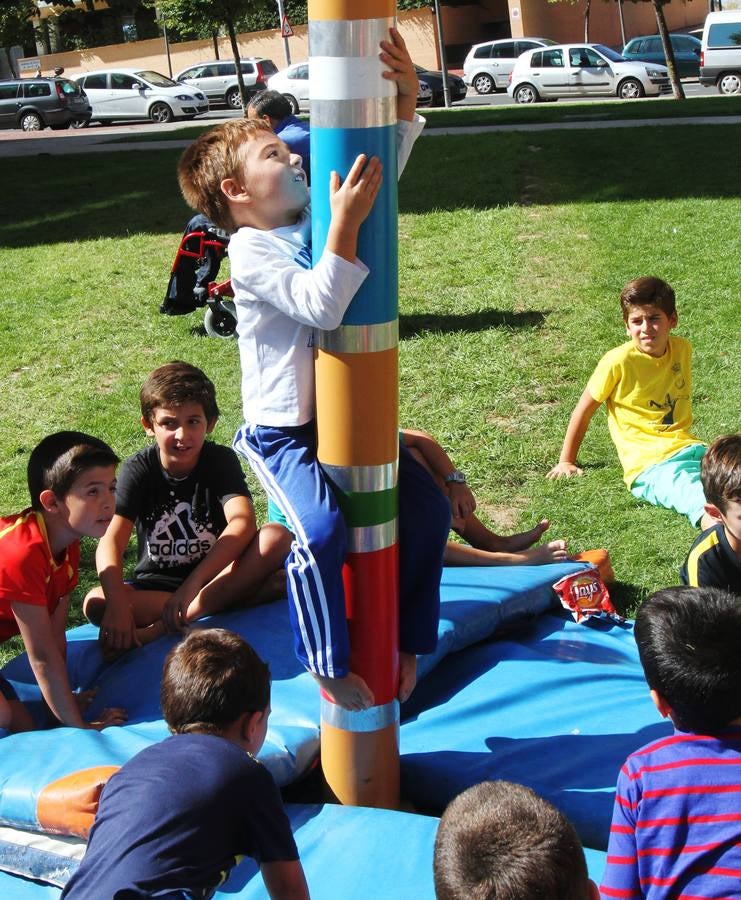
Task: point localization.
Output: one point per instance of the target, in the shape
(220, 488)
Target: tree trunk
(214, 38)
(671, 65)
(587, 9)
(238, 64)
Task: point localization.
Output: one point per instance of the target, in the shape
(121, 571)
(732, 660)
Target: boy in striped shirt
(676, 826)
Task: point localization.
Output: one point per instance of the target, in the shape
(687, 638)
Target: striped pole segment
(353, 110)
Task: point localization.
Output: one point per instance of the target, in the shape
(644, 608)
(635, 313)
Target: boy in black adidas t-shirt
(199, 550)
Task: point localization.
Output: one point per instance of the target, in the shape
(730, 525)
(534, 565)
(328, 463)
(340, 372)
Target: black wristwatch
(455, 477)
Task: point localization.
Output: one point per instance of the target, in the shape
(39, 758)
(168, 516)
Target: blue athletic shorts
(7, 689)
(675, 483)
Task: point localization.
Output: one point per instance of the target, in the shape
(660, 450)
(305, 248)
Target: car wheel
(294, 103)
(730, 83)
(483, 83)
(221, 320)
(160, 113)
(31, 121)
(526, 93)
(233, 99)
(79, 123)
(630, 89)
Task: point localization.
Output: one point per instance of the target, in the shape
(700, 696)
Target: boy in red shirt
(72, 481)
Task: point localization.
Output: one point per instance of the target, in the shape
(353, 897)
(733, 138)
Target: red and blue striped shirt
(676, 824)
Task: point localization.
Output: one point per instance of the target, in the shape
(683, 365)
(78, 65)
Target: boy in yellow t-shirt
(646, 384)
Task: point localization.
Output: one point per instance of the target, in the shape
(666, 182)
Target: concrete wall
(416, 26)
(564, 22)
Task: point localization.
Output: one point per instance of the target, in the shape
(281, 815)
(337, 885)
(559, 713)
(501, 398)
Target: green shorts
(675, 483)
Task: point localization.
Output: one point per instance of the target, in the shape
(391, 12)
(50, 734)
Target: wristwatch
(455, 477)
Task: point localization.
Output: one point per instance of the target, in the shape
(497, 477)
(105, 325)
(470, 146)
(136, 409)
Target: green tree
(202, 18)
(15, 26)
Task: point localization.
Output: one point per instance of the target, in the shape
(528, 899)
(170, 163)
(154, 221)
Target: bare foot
(350, 692)
(554, 551)
(524, 539)
(407, 675)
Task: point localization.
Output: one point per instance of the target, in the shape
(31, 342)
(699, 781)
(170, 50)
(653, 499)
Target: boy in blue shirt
(175, 819)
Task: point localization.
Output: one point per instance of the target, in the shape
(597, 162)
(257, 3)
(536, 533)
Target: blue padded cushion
(557, 707)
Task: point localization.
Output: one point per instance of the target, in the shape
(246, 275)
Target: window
(654, 46)
(226, 69)
(300, 72)
(8, 91)
(522, 46)
(248, 68)
(121, 82)
(37, 89)
(553, 59)
(637, 47)
(95, 82)
(504, 51)
(725, 34)
(69, 87)
(482, 52)
(536, 60)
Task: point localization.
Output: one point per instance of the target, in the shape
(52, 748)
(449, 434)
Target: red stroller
(193, 282)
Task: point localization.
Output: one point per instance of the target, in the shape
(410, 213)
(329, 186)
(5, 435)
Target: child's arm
(117, 628)
(38, 631)
(577, 428)
(285, 880)
(395, 54)
(462, 501)
(241, 528)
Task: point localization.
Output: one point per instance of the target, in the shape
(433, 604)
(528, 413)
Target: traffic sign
(285, 28)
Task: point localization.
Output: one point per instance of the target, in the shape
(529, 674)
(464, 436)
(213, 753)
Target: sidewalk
(106, 140)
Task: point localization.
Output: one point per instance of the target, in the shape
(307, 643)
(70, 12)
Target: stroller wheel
(220, 319)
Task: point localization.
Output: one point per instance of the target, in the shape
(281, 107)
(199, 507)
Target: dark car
(686, 52)
(434, 80)
(34, 103)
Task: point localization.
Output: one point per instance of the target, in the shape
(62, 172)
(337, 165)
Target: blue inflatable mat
(475, 602)
(557, 707)
(345, 852)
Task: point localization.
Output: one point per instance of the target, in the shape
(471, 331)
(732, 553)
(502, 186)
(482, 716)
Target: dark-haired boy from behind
(676, 825)
(714, 559)
(175, 819)
(501, 841)
(199, 548)
(72, 483)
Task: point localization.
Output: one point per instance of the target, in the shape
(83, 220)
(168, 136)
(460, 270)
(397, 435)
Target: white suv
(218, 78)
(488, 66)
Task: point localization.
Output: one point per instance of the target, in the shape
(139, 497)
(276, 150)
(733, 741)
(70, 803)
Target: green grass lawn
(513, 250)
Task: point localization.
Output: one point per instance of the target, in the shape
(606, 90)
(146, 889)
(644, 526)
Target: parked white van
(720, 55)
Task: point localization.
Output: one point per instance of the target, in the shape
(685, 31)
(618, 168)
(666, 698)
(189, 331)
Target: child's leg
(285, 462)
(146, 606)
(424, 523)
(675, 483)
(474, 532)
(247, 581)
(463, 555)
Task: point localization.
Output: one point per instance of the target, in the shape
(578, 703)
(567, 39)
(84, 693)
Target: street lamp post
(443, 63)
(285, 39)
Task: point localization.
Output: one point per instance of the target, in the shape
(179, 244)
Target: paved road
(101, 138)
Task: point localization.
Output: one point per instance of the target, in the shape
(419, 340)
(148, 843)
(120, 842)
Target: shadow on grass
(76, 198)
(417, 325)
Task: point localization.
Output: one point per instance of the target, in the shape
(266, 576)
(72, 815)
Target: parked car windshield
(610, 54)
(156, 79)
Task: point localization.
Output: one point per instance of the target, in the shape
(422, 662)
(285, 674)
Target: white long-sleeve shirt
(280, 302)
